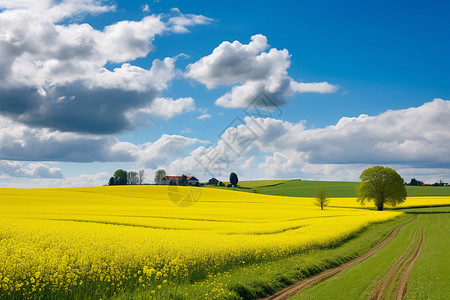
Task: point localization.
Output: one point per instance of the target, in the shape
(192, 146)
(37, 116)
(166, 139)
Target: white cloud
(232, 63)
(204, 116)
(61, 10)
(146, 8)
(167, 108)
(251, 70)
(83, 180)
(181, 22)
(164, 150)
(313, 87)
(28, 170)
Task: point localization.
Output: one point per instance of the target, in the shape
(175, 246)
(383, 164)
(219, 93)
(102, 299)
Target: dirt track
(297, 287)
(398, 273)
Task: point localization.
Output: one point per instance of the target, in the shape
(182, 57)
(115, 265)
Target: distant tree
(120, 177)
(382, 186)
(132, 177)
(233, 179)
(159, 176)
(111, 181)
(321, 198)
(141, 176)
(183, 180)
(415, 182)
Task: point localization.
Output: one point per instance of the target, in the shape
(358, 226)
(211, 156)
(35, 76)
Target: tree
(183, 180)
(111, 181)
(233, 179)
(120, 177)
(415, 182)
(141, 176)
(159, 176)
(382, 186)
(132, 177)
(321, 198)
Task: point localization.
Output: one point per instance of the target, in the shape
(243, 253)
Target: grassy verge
(429, 278)
(253, 281)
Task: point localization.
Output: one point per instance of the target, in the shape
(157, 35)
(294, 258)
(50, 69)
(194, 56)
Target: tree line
(122, 177)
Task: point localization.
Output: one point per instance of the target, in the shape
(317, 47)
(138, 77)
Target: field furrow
(393, 284)
(297, 288)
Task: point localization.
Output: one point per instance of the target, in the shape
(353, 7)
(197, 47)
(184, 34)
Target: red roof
(172, 178)
(178, 178)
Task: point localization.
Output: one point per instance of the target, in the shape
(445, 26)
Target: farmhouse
(174, 180)
(192, 180)
(213, 181)
(171, 179)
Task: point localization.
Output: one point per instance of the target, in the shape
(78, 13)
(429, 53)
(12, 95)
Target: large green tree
(120, 177)
(159, 176)
(382, 186)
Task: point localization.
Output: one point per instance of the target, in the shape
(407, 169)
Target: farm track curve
(295, 288)
(399, 272)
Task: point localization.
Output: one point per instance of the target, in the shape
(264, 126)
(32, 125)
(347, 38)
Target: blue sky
(355, 83)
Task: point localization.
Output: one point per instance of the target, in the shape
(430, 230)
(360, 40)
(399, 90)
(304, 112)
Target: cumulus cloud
(29, 170)
(251, 70)
(146, 8)
(164, 150)
(83, 180)
(61, 10)
(181, 22)
(167, 108)
(56, 76)
(204, 116)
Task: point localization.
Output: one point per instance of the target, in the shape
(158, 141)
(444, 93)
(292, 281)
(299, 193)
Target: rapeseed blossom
(108, 240)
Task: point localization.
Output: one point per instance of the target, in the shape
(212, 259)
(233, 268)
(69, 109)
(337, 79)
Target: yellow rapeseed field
(107, 240)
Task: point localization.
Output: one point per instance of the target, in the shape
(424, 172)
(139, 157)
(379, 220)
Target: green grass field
(429, 278)
(336, 189)
(302, 188)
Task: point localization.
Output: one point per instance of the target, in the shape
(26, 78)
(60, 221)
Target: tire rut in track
(394, 283)
(297, 287)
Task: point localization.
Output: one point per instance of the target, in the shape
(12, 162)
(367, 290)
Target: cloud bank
(414, 140)
(411, 139)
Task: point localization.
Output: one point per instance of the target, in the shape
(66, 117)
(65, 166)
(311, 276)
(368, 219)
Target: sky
(317, 90)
